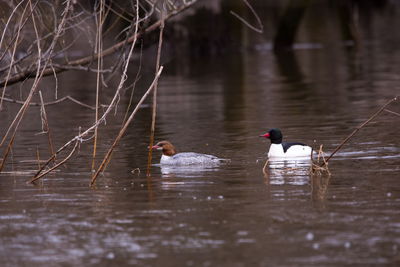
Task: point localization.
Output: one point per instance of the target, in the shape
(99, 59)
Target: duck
(286, 150)
(171, 157)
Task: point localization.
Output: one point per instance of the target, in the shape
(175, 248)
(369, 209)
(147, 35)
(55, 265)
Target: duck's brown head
(166, 147)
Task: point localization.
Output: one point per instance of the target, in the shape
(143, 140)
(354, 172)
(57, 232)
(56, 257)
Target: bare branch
(87, 60)
(260, 28)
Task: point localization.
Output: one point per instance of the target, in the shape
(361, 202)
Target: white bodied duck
(286, 150)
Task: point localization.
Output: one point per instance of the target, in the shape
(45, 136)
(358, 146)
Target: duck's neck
(170, 151)
(276, 141)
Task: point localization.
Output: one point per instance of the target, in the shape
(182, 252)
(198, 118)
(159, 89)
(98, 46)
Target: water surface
(232, 215)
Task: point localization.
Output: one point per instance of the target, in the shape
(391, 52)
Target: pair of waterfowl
(277, 150)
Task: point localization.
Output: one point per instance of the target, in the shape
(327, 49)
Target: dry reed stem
(99, 48)
(154, 110)
(125, 127)
(359, 128)
(6, 153)
(45, 124)
(316, 167)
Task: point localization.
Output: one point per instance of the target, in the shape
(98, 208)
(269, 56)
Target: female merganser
(170, 157)
(279, 150)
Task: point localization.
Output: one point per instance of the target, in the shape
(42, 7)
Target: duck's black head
(275, 135)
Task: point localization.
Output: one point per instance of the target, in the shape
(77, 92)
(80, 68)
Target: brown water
(231, 215)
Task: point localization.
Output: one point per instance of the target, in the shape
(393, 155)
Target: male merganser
(283, 150)
(170, 157)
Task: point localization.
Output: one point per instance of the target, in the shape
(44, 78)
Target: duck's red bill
(265, 135)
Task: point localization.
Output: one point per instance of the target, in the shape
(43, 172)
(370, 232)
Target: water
(231, 215)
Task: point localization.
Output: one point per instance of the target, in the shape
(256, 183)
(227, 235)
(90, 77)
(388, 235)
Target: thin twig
(392, 112)
(260, 28)
(13, 53)
(45, 124)
(8, 22)
(99, 47)
(6, 153)
(154, 109)
(134, 85)
(19, 60)
(359, 128)
(52, 102)
(69, 67)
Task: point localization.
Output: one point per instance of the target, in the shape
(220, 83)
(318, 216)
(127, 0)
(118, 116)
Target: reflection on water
(374, 152)
(186, 171)
(291, 172)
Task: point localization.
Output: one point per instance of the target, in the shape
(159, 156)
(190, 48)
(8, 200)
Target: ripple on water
(382, 152)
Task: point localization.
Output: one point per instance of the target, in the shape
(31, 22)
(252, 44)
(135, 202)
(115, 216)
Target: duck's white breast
(295, 151)
(166, 159)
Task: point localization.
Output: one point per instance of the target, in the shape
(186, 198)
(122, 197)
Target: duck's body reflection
(292, 172)
(185, 171)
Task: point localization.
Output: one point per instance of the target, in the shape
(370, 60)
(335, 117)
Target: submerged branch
(38, 176)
